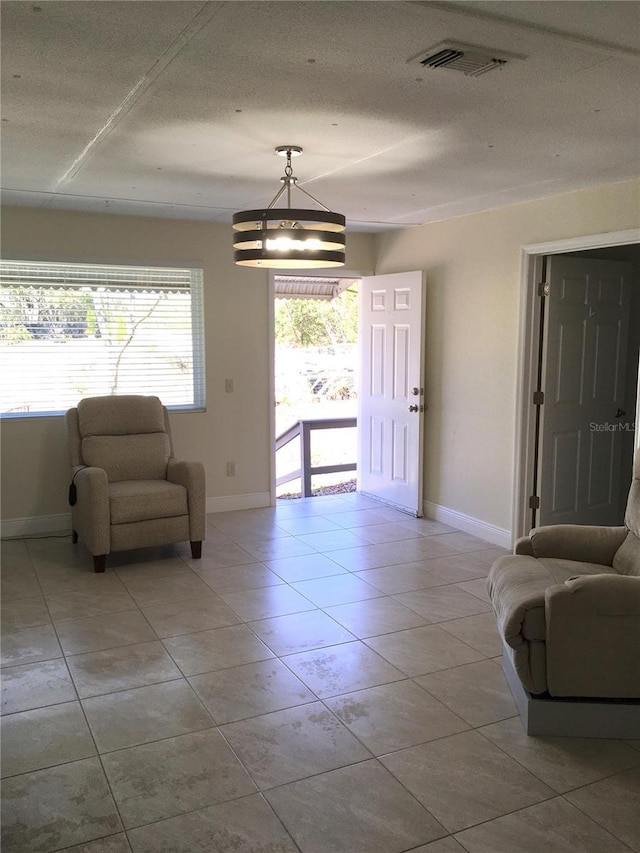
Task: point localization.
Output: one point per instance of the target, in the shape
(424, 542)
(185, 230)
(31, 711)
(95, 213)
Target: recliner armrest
(91, 484)
(593, 636)
(187, 474)
(603, 595)
(91, 513)
(588, 544)
(191, 475)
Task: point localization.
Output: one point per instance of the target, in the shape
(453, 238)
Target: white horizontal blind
(75, 330)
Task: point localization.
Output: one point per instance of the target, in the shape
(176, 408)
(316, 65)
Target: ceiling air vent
(469, 59)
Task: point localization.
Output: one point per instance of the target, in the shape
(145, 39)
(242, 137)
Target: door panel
(584, 383)
(391, 347)
(376, 435)
(400, 447)
(602, 458)
(401, 363)
(566, 455)
(377, 361)
(571, 344)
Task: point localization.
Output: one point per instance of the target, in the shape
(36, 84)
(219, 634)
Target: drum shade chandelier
(289, 237)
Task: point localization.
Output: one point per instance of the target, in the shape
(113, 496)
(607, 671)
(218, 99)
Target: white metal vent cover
(469, 59)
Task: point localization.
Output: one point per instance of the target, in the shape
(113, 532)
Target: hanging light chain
(288, 177)
(289, 180)
(288, 169)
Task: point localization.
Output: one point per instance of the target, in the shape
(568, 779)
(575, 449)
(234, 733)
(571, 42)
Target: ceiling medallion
(288, 237)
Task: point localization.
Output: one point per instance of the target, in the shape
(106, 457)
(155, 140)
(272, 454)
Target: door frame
(529, 320)
(319, 273)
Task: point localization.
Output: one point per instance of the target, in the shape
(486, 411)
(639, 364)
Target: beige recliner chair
(567, 605)
(127, 489)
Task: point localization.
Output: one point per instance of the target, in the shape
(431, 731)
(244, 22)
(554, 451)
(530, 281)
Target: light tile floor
(325, 680)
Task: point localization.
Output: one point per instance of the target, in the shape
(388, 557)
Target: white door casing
(525, 443)
(391, 395)
(586, 335)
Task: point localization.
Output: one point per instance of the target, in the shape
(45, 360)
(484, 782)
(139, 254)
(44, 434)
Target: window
(69, 331)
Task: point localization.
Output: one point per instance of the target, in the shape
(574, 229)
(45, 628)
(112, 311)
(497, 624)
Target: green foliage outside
(34, 313)
(39, 313)
(316, 322)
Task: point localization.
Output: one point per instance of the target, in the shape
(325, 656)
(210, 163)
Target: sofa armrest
(191, 476)
(593, 637)
(91, 514)
(587, 544)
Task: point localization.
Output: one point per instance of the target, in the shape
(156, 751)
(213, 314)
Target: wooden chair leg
(196, 550)
(99, 562)
(74, 537)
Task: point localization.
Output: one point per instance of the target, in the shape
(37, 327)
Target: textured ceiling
(175, 108)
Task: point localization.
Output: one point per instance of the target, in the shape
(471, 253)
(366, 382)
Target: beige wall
(235, 426)
(473, 274)
(472, 266)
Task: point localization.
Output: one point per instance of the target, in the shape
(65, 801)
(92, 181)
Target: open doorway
(389, 386)
(581, 471)
(315, 384)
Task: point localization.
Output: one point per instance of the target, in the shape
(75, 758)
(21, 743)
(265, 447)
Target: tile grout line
(282, 659)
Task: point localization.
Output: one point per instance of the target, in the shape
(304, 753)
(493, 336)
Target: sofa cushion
(627, 558)
(128, 457)
(632, 515)
(142, 500)
(517, 586)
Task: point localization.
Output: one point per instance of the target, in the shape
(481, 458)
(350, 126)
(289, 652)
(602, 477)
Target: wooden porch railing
(303, 428)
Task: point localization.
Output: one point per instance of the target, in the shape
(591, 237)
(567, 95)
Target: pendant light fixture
(289, 237)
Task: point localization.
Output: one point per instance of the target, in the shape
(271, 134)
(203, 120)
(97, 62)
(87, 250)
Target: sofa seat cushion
(517, 586)
(141, 500)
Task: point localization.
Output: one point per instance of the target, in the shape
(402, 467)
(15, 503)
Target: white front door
(584, 411)
(391, 395)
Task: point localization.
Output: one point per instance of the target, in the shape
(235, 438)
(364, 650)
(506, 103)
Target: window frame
(198, 339)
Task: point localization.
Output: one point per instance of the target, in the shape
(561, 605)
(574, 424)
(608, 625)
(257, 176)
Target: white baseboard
(46, 525)
(37, 525)
(256, 500)
(467, 523)
(42, 525)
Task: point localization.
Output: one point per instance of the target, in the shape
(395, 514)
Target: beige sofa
(567, 604)
(128, 491)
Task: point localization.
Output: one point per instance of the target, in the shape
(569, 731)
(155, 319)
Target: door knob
(620, 413)
(413, 408)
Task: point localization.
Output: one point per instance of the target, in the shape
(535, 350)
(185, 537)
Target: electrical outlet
(228, 386)
(231, 469)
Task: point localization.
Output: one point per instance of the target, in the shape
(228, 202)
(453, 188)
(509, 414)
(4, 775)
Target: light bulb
(285, 244)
